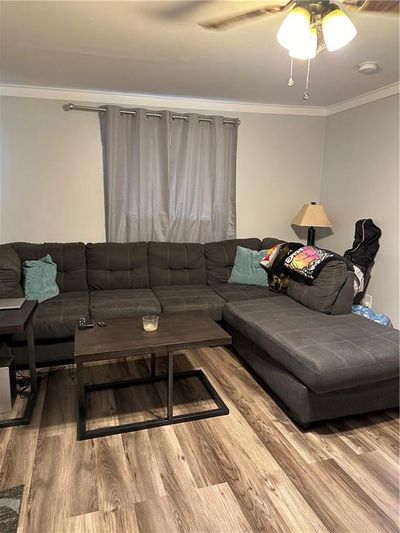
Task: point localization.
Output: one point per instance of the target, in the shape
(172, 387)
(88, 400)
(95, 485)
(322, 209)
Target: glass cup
(150, 322)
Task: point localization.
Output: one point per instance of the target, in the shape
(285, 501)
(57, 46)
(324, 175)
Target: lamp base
(311, 236)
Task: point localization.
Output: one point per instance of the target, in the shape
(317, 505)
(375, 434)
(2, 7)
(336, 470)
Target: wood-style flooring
(252, 470)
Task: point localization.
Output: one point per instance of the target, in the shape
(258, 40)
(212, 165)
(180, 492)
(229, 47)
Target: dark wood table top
(125, 336)
(16, 320)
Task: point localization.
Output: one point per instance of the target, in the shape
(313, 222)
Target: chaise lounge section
(319, 366)
(317, 358)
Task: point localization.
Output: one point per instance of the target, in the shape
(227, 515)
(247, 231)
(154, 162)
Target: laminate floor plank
(246, 474)
(114, 479)
(252, 470)
(19, 452)
(5, 436)
(212, 509)
(371, 433)
(378, 476)
(46, 501)
(175, 473)
(59, 409)
(59, 419)
(18, 462)
(156, 516)
(340, 503)
(146, 477)
(81, 486)
(292, 506)
(202, 453)
(119, 521)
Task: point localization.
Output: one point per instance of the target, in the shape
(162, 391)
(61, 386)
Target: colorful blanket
(308, 261)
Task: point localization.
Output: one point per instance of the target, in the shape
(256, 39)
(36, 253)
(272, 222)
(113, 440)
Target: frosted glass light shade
(338, 29)
(307, 47)
(312, 215)
(294, 28)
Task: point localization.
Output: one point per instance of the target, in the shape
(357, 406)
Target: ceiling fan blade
(372, 6)
(180, 9)
(228, 22)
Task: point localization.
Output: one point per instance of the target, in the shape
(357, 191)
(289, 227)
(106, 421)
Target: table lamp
(312, 216)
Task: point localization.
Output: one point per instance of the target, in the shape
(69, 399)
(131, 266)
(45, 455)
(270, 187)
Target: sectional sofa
(319, 360)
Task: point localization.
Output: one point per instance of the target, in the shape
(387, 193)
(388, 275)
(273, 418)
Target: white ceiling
(156, 47)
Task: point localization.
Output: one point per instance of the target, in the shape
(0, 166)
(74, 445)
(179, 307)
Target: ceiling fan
(310, 26)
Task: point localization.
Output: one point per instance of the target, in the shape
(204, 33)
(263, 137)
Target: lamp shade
(312, 215)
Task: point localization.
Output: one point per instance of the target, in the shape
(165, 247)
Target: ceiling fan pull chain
(291, 80)
(306, 95)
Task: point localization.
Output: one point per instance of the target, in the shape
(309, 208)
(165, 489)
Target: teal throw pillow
(247, 269)
(39, 279)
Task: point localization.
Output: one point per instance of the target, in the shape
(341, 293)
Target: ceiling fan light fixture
(307, 47)
(337, 28)
(294, 28)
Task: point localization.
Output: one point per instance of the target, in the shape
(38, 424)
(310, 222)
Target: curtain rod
(74, 107)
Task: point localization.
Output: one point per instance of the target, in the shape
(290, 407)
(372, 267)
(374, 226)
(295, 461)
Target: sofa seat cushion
(56, 318)
(326, 353)
(232, 292)
(190, 298)
(119, 303)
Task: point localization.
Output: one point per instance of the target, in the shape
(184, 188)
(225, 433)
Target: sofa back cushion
(69, 257)
(117, 265)
(322, 293)
(176, 264)
(269, 242)
(220, 257)
(10, 273)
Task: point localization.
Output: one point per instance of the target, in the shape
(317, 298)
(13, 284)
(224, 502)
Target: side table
(18, 321)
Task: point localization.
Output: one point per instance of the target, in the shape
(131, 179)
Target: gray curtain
(168, 179)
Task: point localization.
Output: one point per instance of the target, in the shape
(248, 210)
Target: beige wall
(279, 169)
(52, 185)
(51, 173)
(361, 180)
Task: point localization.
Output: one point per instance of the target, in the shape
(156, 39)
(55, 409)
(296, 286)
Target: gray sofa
(318, 359)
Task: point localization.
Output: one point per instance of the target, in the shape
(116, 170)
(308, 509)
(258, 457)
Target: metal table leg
(32, 361)
(170, 401)
(169, 377)
(80, 387)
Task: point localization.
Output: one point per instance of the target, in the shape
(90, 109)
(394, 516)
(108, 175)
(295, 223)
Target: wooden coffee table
(125, 337)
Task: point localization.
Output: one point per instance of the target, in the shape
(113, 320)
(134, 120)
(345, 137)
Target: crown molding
(132, 99)
(372, 96)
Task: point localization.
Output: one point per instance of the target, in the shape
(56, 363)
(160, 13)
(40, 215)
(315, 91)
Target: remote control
(85, 323)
